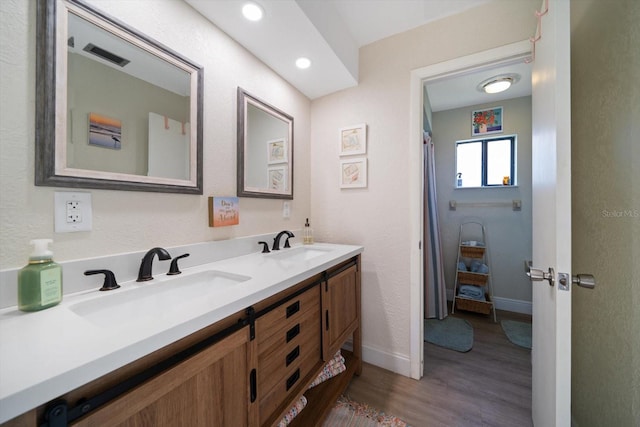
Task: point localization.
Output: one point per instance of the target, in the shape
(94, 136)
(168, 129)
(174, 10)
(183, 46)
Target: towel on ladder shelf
(473, 292)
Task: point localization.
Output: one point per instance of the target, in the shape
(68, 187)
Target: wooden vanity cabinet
(210, 388)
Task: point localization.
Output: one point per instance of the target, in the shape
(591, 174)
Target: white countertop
(51, 352)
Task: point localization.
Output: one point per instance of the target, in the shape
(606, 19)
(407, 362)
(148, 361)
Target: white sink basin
(160, 302)
(298, 254)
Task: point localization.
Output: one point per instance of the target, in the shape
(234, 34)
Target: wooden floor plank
(487, 386)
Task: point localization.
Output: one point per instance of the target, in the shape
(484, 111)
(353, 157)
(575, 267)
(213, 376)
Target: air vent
(106, 55)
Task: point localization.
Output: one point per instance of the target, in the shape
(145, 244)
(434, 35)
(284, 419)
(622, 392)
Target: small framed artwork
(224, 211)
(353, 140)
(486, 121)
(353, 172)
(276, 151)
(277, 177)
(105, 132)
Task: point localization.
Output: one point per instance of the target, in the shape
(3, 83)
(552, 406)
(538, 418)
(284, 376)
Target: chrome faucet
(276, 241)
(147, 261)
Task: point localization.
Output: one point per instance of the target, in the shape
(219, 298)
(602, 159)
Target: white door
(551, 165)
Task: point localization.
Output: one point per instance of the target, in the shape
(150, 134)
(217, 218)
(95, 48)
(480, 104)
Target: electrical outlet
(72, 212)
(286, 210)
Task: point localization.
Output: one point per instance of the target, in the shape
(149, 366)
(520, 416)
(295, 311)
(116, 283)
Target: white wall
(508, 231)
(133, 221)
(378, 216)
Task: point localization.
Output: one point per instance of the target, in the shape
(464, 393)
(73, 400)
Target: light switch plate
(72, 212)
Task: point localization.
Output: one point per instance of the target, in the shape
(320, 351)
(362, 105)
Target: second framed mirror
(265, 149)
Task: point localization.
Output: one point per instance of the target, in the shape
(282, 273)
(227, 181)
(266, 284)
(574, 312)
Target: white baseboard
(506, 304)
(393, 362)
(514, 305)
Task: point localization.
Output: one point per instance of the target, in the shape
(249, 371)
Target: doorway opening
(509, 54)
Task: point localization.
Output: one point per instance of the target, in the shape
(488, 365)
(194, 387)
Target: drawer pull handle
(293, 309)
(253, 385)
(292, 379)
(293, 355)
(293, 332)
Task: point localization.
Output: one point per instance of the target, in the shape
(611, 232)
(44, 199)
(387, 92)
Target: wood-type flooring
(487, 386)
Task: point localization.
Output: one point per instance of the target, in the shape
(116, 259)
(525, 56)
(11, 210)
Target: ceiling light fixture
(252, 11)
(497, 84)
(303, 63)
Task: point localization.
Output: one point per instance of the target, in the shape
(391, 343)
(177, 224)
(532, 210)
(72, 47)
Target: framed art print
(353, 172)
(277, 177)
(277, 151)
(105, 132)
(487, 121)
(353, 140)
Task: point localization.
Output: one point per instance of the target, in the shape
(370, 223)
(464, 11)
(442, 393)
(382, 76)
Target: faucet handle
(265, 247)
(286, 241)
(109, 279)
(173, 269)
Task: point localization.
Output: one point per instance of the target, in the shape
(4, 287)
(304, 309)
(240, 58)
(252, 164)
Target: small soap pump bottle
(307, 235)
(40, 282)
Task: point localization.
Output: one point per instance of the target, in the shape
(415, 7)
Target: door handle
(582, 280)
(564, 279)
(538, 275)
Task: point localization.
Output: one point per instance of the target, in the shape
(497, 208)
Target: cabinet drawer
(291, 332)
(274, 398)
(286, 315)
(280, 359)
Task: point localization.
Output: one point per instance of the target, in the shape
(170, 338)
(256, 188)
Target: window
(487, 162)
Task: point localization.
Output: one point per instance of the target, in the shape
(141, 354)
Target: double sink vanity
(235, 341)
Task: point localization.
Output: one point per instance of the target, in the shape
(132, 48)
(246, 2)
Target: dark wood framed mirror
(265, 149)
(114, 108)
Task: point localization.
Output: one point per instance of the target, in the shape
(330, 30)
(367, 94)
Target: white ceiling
(330, 32)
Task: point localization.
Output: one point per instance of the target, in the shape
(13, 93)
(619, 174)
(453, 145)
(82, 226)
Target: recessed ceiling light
(303, 63)
(252, 11)
(497, 84)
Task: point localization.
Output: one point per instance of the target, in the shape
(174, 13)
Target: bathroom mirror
(265, 149)
(114, 109)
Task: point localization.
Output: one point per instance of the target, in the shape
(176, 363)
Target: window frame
(483, 160)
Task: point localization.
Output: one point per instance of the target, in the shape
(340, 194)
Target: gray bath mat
(518, 333)
(453, 333)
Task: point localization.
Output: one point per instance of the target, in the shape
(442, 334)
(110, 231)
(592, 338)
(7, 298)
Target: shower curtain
(435, 295)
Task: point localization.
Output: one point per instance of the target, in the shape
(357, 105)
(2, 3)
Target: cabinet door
(211, 388)
(340, 309)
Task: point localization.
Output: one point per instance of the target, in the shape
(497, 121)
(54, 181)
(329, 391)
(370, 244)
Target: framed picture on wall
(353, 172)
(277, 177)
(353, 140)
(276, 151)
(105, 131)
(487, 121)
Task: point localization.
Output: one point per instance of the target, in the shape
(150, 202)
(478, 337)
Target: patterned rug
(347, 413)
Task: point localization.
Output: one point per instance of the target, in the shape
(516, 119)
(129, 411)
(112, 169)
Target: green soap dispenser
(40, 282)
